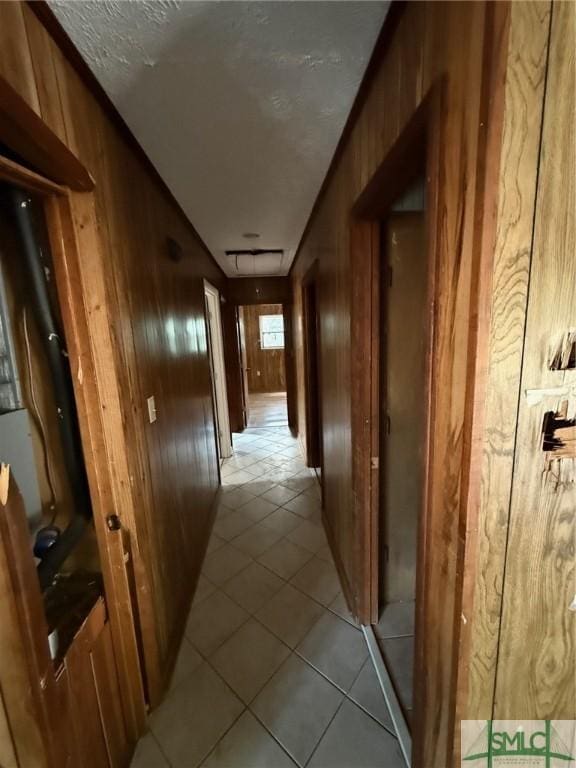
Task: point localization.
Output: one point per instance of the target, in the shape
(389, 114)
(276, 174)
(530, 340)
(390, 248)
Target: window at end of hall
(271, 331)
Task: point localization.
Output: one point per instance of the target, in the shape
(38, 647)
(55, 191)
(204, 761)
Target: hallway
(287, 382)
(272, 672)
(268, 409)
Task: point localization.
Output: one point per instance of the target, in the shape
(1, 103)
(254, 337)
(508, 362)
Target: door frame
(218, 370)
(243, 358)
(71, 222)
(242, 394)
(312, 389)
(418, 147)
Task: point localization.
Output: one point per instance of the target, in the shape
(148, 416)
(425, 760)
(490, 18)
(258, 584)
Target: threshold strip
(394, 708)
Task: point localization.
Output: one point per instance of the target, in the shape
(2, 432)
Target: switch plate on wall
(151, 409)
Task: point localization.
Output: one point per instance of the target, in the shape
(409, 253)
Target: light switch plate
(151, 409)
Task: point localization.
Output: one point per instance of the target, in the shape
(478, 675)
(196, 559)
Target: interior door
(403, 398)
(212, 378)
(218, 371)
(243, 364)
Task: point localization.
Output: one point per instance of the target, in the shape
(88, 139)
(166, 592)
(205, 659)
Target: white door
(218, 370)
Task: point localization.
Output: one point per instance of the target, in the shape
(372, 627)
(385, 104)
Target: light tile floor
(395, 633)
(273, 672)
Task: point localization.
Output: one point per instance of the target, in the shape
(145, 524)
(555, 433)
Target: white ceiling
(239, 105)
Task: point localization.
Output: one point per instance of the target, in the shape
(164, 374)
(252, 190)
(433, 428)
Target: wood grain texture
(537, 658)
(23, 662)
(12, 173)
(257, 290)
(232, 361)
(144, 334)
(16, 61)
(267, 370)
(524, 92)
(72, 231)
(463, 47)
(86, 723)
(103, 663)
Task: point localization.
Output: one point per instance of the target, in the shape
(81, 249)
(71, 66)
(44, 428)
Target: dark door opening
(243, 366)
(403, 387)
(312, 368)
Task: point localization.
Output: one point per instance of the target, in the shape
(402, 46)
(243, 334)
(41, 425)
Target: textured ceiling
(239, 105)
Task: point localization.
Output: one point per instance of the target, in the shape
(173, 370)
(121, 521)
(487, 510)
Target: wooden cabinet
(97, 730)
(53, 714)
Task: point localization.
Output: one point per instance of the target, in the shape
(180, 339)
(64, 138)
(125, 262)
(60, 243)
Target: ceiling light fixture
(251, 235)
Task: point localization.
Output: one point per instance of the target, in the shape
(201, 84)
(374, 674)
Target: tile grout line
(346, 693)
(276, 739)
(402, 732)
(250, 615)
(338, 708)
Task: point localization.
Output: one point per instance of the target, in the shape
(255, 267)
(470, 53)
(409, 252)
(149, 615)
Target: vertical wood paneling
(15, 59)
(524, 91)
(45, 76)
(165, 474)
(535, 675)
(460, 46)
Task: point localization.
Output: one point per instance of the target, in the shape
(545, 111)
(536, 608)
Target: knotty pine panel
(156, 317)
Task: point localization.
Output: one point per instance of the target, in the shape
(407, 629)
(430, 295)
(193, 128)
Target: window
(271, 331)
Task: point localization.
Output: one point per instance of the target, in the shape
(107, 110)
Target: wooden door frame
(419, 145)
(288, 357)
(241, 341)
(76, 255)
(314, 456)
(290, 367)
(219, 387)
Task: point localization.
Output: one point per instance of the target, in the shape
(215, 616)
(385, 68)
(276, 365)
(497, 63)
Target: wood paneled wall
(524, 628)
(258, 290)
(267, 369)
(501, 642)
(155, 313)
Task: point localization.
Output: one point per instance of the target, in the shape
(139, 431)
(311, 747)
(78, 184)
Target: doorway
(402, 401)
(262, 352)
(218, 371)
(312, 369)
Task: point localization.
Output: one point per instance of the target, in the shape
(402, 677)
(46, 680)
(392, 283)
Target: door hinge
(388, 424)
(374, 462)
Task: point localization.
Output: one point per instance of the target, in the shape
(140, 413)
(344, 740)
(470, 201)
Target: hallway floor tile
(273, 672)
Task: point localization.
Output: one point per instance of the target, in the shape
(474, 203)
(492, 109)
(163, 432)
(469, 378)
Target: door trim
(314, 453)
(419, 146)
(72, 228)
(218, 370)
